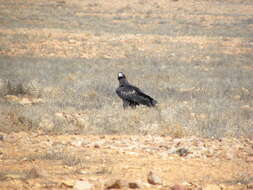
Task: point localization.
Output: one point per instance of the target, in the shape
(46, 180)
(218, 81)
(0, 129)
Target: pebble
(154, 179)
(82, 185)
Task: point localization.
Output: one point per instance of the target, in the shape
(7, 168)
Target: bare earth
(194, 56)
(40, 161)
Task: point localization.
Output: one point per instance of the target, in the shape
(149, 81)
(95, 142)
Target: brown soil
(186, 37)
(31, 160)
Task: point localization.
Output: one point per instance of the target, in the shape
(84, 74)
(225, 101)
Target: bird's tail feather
(154, 102)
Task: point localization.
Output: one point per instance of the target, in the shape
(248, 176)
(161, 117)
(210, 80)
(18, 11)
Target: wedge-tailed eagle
(131, 95)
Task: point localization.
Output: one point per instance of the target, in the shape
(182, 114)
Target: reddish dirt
(201, 33)
(41, 161)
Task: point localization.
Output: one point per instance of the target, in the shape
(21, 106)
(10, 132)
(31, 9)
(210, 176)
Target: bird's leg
(125, 104)
(132, 104)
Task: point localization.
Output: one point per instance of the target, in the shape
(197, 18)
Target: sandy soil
(31, 160)
(110, 36)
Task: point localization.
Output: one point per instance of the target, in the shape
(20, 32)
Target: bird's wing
(146, 99)
(126, 92)
(134, 94)
(140, 93)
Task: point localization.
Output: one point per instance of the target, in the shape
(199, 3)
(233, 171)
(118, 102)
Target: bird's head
(121, 76)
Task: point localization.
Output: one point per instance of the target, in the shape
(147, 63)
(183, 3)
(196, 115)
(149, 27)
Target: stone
(1, 137)
(178, 187)
(250, 186)
(182, 152)
(230, 154)
(23, 100)
(115, 184)
(68, 183)
(133, 185)
(154, 179)
(82, 185)
(211, 187)
(249, 159)
(77, 142)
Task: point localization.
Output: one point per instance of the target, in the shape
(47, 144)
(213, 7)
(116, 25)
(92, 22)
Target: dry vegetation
(59, 61)
(63, 57)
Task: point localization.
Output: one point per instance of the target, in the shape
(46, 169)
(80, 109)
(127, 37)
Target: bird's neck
(123, 81)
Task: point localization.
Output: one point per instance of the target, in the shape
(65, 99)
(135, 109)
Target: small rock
(230, 155)
(77, 142)
(249, 159)
(23, 100)
(68, 183)
(211, 187)
(182, 152)
(11, 98)
(115, 184)
(83, 171)
(133, 185)
(1, 137)
(132, 153)
(81, 121)
(83, 185)
(223, 186)
(60, 116)
(250, 186)
(154, 179)
(178, 187)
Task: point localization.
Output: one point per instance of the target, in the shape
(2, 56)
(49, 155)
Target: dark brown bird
(131, 95)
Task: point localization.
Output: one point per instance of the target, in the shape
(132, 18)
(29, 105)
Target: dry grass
(196, 63)
(19, 174)
(66, 158)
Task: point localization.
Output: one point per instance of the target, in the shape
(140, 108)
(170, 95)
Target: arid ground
(62, 125)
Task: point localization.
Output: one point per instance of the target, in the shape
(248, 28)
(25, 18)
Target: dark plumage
(131, 95)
